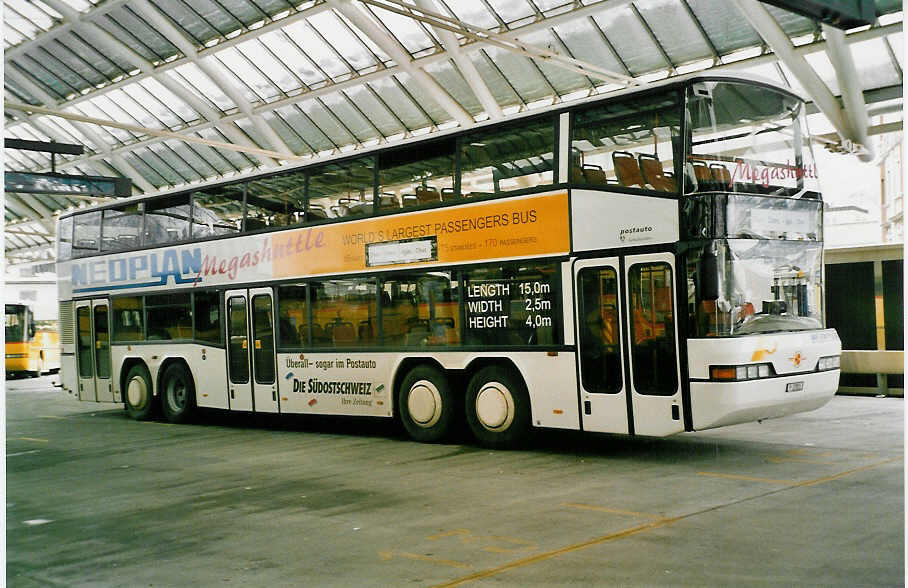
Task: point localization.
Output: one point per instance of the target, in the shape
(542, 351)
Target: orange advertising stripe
(497, 229)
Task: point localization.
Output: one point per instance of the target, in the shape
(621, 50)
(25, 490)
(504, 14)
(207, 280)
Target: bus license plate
(794, 387)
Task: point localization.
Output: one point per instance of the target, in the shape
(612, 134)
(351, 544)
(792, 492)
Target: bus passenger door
(264, 385)
(652, 342)
(603, 391)
(250, 350)
(93, 351)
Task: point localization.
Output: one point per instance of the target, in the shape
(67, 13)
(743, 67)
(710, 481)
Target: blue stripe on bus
(161, 282)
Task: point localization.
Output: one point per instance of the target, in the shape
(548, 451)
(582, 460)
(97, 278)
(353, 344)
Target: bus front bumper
(717, 404)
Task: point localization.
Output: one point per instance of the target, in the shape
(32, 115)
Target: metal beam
(467, 68)
(404, 60)
(767, 27)
(99, 143)
(211, 68)
(145, 130)
(109, 42)
(850, 85)
(507, 42)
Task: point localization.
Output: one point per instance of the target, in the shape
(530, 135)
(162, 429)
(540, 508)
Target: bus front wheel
(426, 404)
(498, 407)
(177, 394)
(140, 401)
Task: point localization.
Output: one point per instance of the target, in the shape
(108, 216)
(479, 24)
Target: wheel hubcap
(424, 403)
(137, 392)
(176, 395)
(495, 407)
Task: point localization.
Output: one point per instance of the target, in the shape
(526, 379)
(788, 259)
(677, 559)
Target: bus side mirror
(709, 277)
(31, 330)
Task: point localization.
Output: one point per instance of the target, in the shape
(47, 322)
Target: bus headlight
(16, 355)
(739, 373)
(831, 362)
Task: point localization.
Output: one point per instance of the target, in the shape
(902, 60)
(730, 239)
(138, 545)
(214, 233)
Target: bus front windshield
(747, 286)
(748, 138)
(15, 323)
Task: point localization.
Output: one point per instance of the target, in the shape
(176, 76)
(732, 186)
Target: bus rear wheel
(140, 401)
(498, 407)
(426, 404)
(177, 394)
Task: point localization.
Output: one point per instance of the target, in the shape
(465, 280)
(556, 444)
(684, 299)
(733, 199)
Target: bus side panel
(341, 383)
(68, 374)
(552, 384)
(208, 368)
(336, 382)
(631, 220)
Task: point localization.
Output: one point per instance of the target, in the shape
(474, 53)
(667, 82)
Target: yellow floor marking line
(387, 555)
(31, 439)
(748, 478)
(832, 477)
(630, 513)
(797, 460)
(556, 552)
(653, 525)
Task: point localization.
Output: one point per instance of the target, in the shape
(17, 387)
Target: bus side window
(631, 145)
(507, 158)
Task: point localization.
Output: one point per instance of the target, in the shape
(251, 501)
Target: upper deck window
(748, 138)
(65, 238)
(414, 176)
(342, 189)
(631, 143)
(122, 227)
(167, 220)
(507, 158)
(217, 210)
(87, 234)
(276, 201)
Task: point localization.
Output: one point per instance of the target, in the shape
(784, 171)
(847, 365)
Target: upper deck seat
(627, 170)
(653, 174)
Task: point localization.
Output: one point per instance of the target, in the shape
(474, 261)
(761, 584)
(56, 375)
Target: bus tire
(426, 404)
(177, 394)
(498, 407)
(141, 404)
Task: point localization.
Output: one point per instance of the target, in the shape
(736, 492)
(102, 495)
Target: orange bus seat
(627, 170)
(427, 194)
(594, 175)
(651, 168)
(720, 174)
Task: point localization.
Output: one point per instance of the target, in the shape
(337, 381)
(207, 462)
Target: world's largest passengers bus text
(599, 267)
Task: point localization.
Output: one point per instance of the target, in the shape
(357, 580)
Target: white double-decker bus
(646, 263)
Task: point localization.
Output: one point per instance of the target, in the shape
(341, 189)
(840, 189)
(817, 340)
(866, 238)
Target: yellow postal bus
(31, 349)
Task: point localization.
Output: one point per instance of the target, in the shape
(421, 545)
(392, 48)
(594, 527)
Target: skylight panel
(202, 85)
(248, 75)
(123, 100)
(89, 108)
(513, 11)
(151, 92)
(405, 29)
(37, 14)
(276, 71)
(316, 50)
(281, 44)
(340, 37)
(473, 13)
